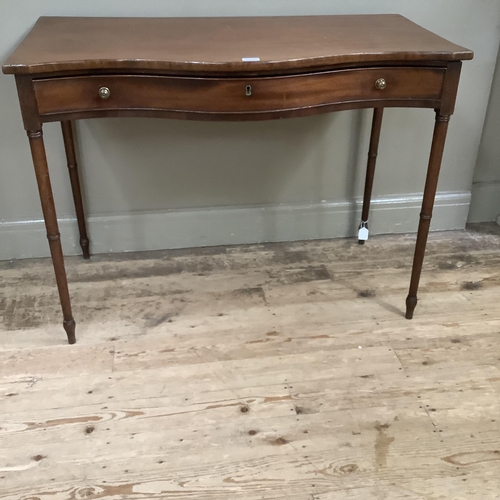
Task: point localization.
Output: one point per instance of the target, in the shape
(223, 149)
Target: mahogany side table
(249, 68)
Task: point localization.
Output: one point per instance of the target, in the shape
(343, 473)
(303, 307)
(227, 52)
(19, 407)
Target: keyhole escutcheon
(248, 90)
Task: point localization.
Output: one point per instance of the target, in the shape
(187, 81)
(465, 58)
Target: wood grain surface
(194, 45)
(280, 371)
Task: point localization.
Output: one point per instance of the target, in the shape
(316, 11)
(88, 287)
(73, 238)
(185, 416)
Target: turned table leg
(438, 140)
(370, 172)
(69, 146)
(49, 214)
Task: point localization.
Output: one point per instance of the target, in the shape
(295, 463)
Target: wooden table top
(194, 45)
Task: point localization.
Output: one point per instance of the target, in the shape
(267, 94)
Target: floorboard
(256, 372)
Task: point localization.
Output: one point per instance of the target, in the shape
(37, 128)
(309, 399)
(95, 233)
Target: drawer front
(236, 95)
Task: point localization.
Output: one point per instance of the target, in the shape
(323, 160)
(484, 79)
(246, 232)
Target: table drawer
(233, 95)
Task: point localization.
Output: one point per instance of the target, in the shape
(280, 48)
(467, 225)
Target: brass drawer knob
(380, 84)
(104, 92)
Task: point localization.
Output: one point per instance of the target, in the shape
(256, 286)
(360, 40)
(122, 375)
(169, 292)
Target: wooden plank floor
(281, 371)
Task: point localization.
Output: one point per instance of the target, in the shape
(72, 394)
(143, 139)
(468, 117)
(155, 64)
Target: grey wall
(485, 202)
(159, 183)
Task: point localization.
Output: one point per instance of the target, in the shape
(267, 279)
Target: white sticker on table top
(250, 59)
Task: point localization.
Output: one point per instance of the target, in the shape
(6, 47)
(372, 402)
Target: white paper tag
(250, 59)
(363, 234)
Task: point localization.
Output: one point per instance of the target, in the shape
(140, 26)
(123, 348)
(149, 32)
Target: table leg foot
(69, 327)
(85, 244)
(411, 303)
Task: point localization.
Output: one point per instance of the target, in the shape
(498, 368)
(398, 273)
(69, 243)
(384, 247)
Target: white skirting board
(233, 225)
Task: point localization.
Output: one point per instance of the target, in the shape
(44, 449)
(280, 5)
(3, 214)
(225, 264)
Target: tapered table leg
(370, 172)
(49, 214)
(438, 140)
(69, 146)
